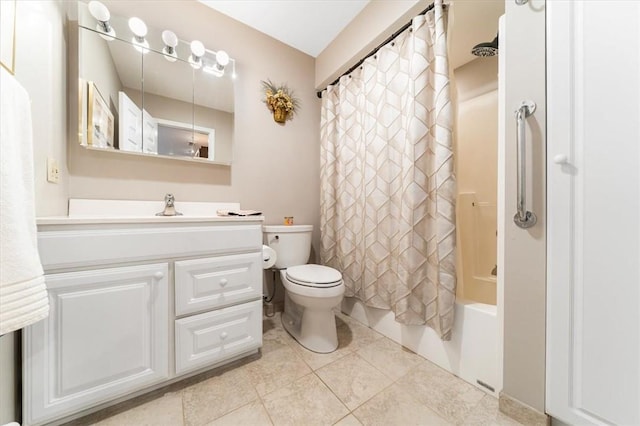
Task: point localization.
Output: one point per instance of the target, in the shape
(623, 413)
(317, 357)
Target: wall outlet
(53, 174)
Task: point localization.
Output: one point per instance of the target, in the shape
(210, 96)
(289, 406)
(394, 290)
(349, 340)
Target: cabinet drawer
(203, 284)
(212, 337)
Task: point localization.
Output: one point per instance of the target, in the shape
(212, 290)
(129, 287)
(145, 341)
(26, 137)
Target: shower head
(486, 48)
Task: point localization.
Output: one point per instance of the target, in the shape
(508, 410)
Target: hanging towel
(23, 294)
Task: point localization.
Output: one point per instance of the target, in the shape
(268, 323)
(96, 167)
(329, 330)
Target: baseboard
(522, 412)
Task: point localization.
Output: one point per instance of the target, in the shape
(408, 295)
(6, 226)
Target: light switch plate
(53, 174)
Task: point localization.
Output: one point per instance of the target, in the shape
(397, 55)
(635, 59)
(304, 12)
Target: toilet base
(314, 329)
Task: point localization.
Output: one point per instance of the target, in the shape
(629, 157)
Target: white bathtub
(471, 354)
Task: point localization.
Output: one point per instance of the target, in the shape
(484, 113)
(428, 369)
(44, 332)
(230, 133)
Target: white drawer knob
(223, 335)
(158, 275)
(223, 282)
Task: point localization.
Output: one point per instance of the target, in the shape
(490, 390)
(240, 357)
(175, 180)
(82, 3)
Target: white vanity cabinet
(136, 305)
(106, 334)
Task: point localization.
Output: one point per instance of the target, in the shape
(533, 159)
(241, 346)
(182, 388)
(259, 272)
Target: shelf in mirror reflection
(166, 157)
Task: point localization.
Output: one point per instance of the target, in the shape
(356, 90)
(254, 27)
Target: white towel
(23, 294)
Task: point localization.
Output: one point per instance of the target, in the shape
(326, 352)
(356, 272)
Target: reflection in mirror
(101, 86)
(145, 91)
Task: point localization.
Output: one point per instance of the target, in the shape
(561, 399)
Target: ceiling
(307, 25)
(310, 25)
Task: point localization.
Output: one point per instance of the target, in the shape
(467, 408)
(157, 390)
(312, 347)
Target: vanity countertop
(94, 220)
(101, 212)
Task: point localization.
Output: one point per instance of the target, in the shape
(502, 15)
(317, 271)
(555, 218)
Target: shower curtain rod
(374, 51)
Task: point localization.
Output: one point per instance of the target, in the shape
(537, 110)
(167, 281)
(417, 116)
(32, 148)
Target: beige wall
(97, 65)
(524, 250)
(377, 21)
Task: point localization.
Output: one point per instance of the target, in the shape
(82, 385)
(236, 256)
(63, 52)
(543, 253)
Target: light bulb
(139, 30)
(102, 15)
(197, 48)
(170, 40)
(222, 59)
(197, 51)
(138, 27)
(99, 11)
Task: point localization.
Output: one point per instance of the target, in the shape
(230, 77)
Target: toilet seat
(316, 276)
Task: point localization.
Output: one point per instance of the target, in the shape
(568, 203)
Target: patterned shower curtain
(387, 178)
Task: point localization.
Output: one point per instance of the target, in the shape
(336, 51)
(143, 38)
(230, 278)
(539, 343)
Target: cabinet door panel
(209, 338)
(217, 281)
(106, 336)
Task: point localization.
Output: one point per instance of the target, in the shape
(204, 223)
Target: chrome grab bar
(523, 218)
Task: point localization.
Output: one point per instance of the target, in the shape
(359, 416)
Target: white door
(149, 133)
(106, 336)
(593, 257)
(130, 124)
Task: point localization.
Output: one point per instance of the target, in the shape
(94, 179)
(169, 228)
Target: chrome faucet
(169, 208)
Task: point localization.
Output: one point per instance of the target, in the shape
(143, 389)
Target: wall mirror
(144, 91)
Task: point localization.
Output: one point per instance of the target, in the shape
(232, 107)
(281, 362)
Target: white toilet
(311, 291)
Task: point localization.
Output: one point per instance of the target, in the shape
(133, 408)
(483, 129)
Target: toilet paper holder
(269, 257)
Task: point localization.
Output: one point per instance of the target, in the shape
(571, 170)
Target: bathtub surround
(476, 142)
(387, 183)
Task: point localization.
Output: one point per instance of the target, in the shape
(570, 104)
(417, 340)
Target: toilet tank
(292, 243)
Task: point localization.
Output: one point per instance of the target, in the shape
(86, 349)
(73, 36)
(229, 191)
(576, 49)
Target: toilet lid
(314, 275)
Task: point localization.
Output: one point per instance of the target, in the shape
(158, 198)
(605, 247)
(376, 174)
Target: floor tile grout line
(334, 394)
(266, 410)
(369, 399)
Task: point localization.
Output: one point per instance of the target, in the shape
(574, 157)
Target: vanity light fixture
(197, 52)
(102, 15)
(170, 41)
(139, 30)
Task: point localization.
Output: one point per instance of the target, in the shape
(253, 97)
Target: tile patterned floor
(369, 380)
